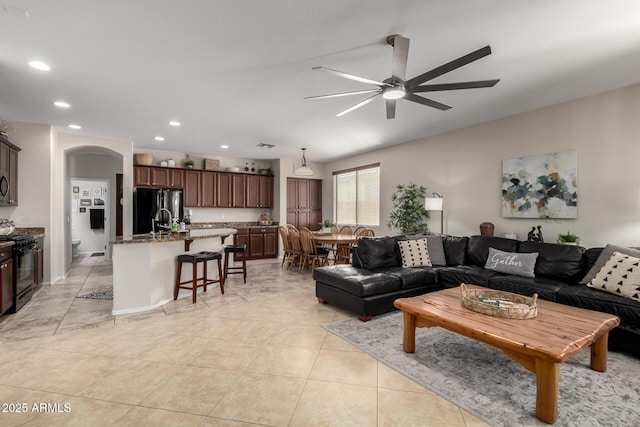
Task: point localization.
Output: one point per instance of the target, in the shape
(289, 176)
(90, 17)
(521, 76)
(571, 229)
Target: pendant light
(303, 169)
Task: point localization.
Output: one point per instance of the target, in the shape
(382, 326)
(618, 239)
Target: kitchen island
(144, 266)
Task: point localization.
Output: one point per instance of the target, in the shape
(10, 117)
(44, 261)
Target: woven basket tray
(499, 303)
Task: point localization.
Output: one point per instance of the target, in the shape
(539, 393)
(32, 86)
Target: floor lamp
(434, 203)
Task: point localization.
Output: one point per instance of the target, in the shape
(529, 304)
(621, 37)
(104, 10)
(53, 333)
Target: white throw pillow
(620, 276)
(414, 253)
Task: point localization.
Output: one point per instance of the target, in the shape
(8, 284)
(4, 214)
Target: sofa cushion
(545, 288)
(415, 277)
(378, 252)
(620, 276)
(414, 253)
(478, 248)
(455, 249)
(556, 261)
(465, 274)
(357, 281)
(516, 263)
(604, 257)
(592, 299)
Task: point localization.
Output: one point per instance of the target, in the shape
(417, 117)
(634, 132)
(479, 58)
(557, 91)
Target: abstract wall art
(542, 186)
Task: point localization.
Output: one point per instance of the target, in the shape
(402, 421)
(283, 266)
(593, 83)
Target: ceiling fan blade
(391, 108)
(400, 54)
(351, 76)
(425, 101)
(335, 95)
(355, 107)
(449, 66)
(455, 86)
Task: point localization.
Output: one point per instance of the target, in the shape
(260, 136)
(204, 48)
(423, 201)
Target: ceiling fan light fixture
(303, 169)
(395, 92)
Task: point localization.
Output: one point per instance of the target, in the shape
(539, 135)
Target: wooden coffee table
(540, 344)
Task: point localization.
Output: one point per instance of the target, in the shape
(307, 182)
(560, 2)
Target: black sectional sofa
(376, 278)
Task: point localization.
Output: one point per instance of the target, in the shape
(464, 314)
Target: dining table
(341, 242)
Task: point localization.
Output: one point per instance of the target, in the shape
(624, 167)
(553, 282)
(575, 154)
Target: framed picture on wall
(85, 202)
(98, 202)
(76, 189)
(83, 210)
(97, 191)
(86, 193)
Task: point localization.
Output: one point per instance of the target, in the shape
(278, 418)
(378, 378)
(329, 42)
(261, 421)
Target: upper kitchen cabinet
(8, 173)
(200, 189)
(149, 176)
(231, 190)
(259, 191)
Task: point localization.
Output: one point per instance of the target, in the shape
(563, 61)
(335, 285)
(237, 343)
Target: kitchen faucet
(154, 221)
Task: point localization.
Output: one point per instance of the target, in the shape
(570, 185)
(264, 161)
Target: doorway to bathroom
(89, 216)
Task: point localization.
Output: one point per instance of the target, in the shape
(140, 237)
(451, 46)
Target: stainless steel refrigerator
(148, 201)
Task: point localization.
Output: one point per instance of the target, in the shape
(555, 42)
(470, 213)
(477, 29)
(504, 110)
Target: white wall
(64, 146)
(34, 171)
(465, 166)
(91, 240)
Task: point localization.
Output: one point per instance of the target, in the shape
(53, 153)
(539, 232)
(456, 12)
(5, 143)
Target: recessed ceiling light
(75, 126)
(39, 65)
(174, 123)
(159, 138)
(62, 104)
(224, 147)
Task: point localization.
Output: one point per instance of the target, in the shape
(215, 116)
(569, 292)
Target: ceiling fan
(396, 87)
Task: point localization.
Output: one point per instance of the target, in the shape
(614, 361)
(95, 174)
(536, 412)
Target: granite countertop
(172, 237)
(36, 232)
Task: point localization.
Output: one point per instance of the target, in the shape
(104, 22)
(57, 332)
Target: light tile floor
(257, 355)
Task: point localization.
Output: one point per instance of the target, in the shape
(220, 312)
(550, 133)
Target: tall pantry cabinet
(304, 203)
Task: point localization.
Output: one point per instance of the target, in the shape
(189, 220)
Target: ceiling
(236, 72)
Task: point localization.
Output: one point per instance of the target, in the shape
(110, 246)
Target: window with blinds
(357, 196)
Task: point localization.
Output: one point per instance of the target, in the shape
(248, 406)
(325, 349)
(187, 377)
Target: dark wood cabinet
(262, 242)
(8, 173)
(208, 197)
(149, 176)
(231, 190)
(6, 279)
(304, 203)
(209, 188)
(192, 189)
(259, 191)
(38, 261)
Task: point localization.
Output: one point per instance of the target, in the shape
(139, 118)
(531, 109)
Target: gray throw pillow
(605, 255)
(519, 264)
(436, 250)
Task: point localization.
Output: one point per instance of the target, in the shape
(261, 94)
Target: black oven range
(23, 268)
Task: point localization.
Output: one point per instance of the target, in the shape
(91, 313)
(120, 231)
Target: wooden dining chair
(311, 254)
(296, 248)
(358, 230)
(335, 229)
(364, 232)
(286, 245)
(346, 229)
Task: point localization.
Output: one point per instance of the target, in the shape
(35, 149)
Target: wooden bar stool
(194, 259)
(235, 249)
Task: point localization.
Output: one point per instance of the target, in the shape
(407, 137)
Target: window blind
(357, 196)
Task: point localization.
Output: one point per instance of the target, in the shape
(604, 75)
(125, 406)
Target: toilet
(74, 247)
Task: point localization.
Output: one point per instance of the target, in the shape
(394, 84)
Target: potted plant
(326, 225)
(568, 239)
(408, 213)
